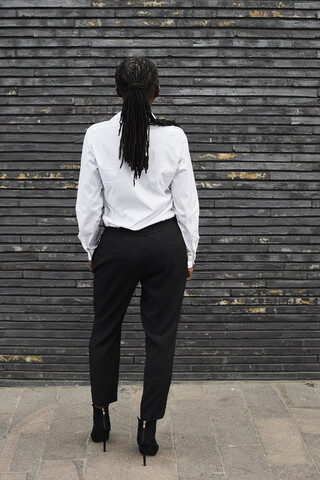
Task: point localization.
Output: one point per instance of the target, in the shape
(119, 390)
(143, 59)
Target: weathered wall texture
(243, 81)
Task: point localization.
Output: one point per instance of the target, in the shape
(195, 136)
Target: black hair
(137, 79)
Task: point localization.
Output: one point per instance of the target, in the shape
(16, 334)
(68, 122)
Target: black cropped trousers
(157, 257)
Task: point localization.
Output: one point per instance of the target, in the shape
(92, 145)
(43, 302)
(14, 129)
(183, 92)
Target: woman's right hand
(190, 271)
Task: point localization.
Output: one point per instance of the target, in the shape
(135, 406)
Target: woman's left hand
(90, 265)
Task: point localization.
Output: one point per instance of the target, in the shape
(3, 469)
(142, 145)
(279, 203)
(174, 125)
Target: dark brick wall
(243, 81)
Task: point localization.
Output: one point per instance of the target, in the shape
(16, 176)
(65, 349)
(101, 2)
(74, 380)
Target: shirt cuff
(90, 253)
(190, 261)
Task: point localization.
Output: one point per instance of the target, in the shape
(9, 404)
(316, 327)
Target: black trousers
(157, 257)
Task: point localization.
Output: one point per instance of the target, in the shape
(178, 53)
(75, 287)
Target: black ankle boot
(146, 438)
(101, 425)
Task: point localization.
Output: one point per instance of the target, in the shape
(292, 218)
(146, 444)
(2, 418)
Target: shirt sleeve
(89, 202)
(186, 202)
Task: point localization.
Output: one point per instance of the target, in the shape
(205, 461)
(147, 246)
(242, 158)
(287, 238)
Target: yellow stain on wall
(23, 175)
(247, 175)
(70, 185)
(76, 167)
(277, 14)
(302, 302)
(3, 175)
(94, 23)
(176, 12)
(256, 310)
(43, 109)
(273, 291)
(26, 358)
(297, 112)
(226, 23)
(221, 156)
(256, 13)
(143, 12)
(148, 4)
(15, 188)
(208, 184)
(237, 301)
(203, 23)
(165, 23)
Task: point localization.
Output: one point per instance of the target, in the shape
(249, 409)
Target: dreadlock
(137, 78)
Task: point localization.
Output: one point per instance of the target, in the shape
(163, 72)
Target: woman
(150, 235)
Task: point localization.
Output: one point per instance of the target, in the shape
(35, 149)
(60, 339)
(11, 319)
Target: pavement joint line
(298, 429)
(257, 432)
(8, 430)
(174, 449)
(48, 429)
(214, 433)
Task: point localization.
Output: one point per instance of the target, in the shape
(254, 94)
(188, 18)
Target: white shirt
(106, 191)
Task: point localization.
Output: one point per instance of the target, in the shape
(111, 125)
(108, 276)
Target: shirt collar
(117, 115)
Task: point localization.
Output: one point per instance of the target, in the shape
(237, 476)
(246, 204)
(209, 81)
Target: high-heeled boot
(101, 425)
(146, 438)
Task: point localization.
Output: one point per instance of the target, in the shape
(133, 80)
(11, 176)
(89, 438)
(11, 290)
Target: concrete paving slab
(295, 472)
(9, 398)
(33, 399)
(72, 402)
(190, 417)
(245, 462)
(63, 469)
(13, 476)
(28, 453)
(36, 422)
(263, 400)
(281, 441)
(307, 419)
(298, 394)
(198, 457)
(224, 395)
(233, 426)
(67, 438)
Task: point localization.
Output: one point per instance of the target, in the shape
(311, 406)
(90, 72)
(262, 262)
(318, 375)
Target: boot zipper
(144, 429)
(104, 419)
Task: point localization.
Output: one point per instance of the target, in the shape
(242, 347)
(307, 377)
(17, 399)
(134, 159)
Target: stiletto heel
(143, 436)
(146, 438)
(101, 425)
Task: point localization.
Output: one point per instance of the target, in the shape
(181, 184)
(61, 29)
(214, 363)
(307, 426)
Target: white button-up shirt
(106, 191)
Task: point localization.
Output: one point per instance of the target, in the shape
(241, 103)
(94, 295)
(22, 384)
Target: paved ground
(221, 430)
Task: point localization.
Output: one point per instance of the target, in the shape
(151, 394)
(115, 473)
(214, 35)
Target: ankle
(101, 407)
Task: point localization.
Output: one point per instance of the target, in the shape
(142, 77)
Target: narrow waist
(155, 227)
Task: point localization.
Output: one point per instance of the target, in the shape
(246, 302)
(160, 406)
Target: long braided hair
(137, 79)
